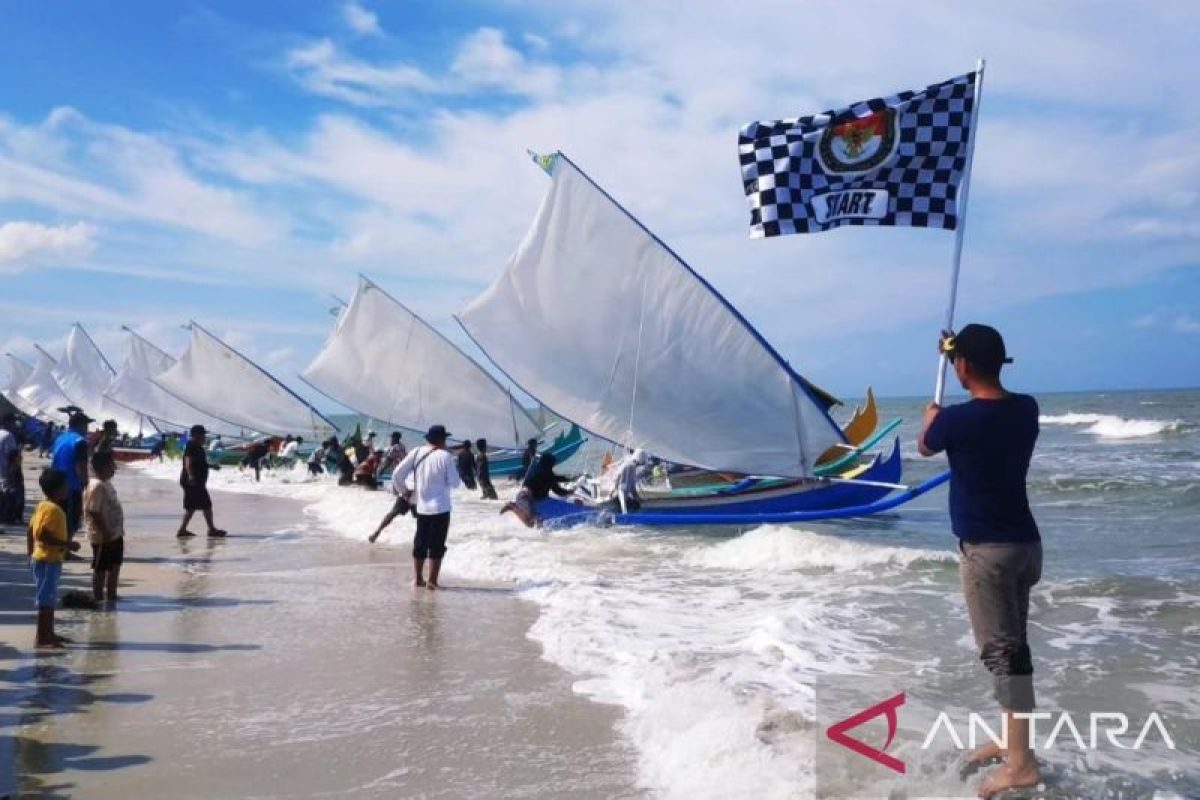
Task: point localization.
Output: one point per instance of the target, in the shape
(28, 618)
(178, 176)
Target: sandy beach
(286, 661)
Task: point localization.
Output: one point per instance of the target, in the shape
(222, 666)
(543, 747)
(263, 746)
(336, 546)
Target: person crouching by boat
(392, 456)
(255, 455)
(538, 484)
(193, 478)
(627, 473)
(434, 475)
(345, 467)
(483, 471)
(316, 461)
(364, 473)
(989, 442)
(466, 465)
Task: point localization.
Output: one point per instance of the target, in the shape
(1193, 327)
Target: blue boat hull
(753, 500)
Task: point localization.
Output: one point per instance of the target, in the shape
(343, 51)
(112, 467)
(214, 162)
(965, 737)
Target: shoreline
(265, 665)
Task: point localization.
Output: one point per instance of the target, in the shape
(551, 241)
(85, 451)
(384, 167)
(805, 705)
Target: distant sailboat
(134, 389)
(220, 381)
(18, 372)
(40, 395)
(387, 363)
(85, 375)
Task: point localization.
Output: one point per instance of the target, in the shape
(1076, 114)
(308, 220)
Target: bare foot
(52, 644)
(63, 639)
(419, 582)
(373, 537)
(1005, 777)
(985, 756)
(431, 586)
(184, 533)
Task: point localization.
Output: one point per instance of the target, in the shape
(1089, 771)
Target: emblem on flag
(887, 161)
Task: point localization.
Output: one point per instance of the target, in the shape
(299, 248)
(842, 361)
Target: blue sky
(237, 162)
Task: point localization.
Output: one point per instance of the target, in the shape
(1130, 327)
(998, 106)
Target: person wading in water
(989, 441)
(434, 474)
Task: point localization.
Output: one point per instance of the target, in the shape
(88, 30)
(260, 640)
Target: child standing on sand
(47, 545)
(106, 528)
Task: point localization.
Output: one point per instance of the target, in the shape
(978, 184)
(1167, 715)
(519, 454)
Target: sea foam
(1110, 426)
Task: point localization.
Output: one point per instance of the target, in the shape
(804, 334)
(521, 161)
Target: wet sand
(286, 662)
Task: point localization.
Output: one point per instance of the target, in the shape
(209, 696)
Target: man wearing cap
(107, 439)
(194, 480)
(989, 441)
(434, 475)
(70, 456)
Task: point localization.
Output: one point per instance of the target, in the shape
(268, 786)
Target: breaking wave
(1110, 426)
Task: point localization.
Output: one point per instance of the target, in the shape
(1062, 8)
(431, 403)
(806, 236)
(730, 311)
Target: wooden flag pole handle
(939, 389)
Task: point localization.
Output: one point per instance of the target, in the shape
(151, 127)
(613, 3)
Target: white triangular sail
(220, 381)
(82, 371)
(602, 323)
(133, 389)
(18, 372)
(40, 395)
(387, 363)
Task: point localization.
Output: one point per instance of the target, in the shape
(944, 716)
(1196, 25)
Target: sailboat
(133, 388)
(18, 372)
(41, 395)
(621, 336)
(385, 362)
(218, 380)
(85, 375)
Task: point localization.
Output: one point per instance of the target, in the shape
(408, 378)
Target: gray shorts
(996, 581)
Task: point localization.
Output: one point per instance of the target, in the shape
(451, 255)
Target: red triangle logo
(837, 732)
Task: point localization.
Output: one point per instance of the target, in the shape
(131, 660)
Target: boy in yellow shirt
(48, 544)
(106, 527)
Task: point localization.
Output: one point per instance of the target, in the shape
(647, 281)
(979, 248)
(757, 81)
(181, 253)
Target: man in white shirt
(434, 474)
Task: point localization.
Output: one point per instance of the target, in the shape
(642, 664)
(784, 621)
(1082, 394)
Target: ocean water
(715, 641)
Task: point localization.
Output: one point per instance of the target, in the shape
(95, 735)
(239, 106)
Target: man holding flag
(906, 160)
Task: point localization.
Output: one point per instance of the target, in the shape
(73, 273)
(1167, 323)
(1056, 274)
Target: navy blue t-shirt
(989, 444)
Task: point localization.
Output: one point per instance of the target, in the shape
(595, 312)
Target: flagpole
(960, 228)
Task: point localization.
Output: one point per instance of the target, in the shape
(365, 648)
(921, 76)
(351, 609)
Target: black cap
(982, 345)
(198, 430)
(436, 433)
(75, 416)
(110, 424)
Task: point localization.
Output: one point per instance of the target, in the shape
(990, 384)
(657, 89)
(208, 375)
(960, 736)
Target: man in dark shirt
(194, 480)
(483, 471)
(465, 462)
(989, 441)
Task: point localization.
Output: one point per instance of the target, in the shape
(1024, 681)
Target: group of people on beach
(989, 442)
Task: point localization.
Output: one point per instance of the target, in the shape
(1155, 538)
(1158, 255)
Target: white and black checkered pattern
(781, 171)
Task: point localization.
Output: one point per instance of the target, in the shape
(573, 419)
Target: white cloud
(323, 70)
(72, 165)
(26, 243)
(1145, 321)
(361, 20)
(1185, 323)
(483, 61)
(486, 60)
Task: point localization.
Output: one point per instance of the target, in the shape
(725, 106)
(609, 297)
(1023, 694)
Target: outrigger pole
(959, 229)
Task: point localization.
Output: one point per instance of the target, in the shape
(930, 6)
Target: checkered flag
(889, 161)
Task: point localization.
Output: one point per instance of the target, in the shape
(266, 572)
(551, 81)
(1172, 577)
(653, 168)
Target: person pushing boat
(539, 482)
(989, 442)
